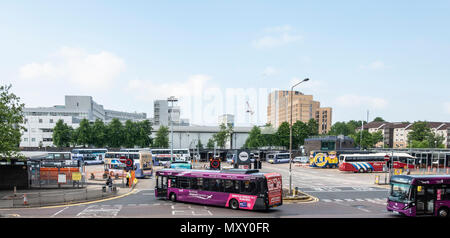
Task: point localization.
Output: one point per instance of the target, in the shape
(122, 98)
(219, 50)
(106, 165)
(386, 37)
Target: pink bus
(234, 188)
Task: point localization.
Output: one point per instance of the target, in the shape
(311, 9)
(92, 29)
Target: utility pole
(290, 138)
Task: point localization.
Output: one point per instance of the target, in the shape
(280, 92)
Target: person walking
(128, 178)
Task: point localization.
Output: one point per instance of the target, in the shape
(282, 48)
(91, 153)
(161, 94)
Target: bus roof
(380, 154)
(220, 174)
(420, 179)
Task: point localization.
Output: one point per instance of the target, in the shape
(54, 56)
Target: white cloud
(269, 71)
(446, 107)
(351, 100)
(148, 90)
(77, 67)
(376, 65)
(277, 36)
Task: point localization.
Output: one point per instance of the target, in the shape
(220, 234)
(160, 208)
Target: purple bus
(234, 188)
(416, 195)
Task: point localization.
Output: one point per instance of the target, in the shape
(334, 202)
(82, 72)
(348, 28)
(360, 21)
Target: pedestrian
(109, 183)
(128, 178)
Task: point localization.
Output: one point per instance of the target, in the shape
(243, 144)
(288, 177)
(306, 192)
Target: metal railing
(60, 197)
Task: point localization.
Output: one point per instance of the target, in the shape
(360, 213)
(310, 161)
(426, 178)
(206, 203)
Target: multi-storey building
(304, 108)
(40, 121)
(395, 134)
(163, 113)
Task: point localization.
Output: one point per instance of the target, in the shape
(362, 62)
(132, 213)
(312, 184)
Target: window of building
(40, 120)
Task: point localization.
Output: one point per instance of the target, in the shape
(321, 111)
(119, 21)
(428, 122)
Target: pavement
(48, 196)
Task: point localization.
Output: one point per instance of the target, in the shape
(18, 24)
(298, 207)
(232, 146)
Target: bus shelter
(56, 173)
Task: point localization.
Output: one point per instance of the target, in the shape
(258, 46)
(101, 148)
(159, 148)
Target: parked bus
(234, 188)
(278, 158)
(162, 156)
(89, 156)
(142, 162)
(323, 159)
(417, 195)
(375, 162)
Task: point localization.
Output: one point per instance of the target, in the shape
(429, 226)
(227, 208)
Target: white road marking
(100, 211)
(59, 212)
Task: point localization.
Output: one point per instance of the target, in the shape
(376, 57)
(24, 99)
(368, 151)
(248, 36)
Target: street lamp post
(171, 99)
(290, 138)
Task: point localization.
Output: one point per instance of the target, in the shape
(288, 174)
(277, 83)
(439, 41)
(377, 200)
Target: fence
(37, 199)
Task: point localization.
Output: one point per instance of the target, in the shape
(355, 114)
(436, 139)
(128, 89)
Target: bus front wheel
(173, 197)
(234, 204)
(443, 212)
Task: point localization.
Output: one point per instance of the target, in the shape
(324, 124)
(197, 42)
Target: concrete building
(39, 122)
(303, 106)
(162, 112)
(188, 136)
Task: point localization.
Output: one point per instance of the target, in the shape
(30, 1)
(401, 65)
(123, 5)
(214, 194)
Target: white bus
(162, 156)
(89, 156)
(142, 162)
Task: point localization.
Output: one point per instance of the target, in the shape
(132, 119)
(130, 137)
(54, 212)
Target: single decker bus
(234, 188)
(420, 195)
(375, 162)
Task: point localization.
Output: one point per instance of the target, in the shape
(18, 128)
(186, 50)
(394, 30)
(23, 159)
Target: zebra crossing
(380, 201)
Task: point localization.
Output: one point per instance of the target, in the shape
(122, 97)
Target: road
(339, 195)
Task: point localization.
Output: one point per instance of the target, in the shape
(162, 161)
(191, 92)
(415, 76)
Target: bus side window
(173, 182)
(183, 182)
(249, 187)
(217, 185)
(229, 186)
(194, 183)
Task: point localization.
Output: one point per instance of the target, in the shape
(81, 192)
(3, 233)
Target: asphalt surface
(338, 195)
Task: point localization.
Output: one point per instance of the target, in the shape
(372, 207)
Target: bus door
(425, 199)
(161, 186)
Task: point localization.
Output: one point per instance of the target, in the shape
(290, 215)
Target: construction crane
(249, 109)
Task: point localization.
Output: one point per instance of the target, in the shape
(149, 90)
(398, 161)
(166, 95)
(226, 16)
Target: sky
(390, 58)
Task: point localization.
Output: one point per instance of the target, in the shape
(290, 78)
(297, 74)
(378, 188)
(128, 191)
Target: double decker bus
(142, 162)
(323, 159)
(234, 188)
(375, 162)
(89, 156)
(420, 195)
(162, 156)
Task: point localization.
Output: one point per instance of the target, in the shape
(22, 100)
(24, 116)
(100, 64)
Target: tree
(300, 132)
(130, 134)
(340, 128)
(254, 139)
(210, 144)
(313, 127)
(84, 132)
(10, 118)
(144, 130)
(378, 119)
(62, 134)
(421, 136)
(162, 138)
(99, 134)
(282, 135)
(199, 145)
(115, 133)
(223, 135)
(368, 140)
